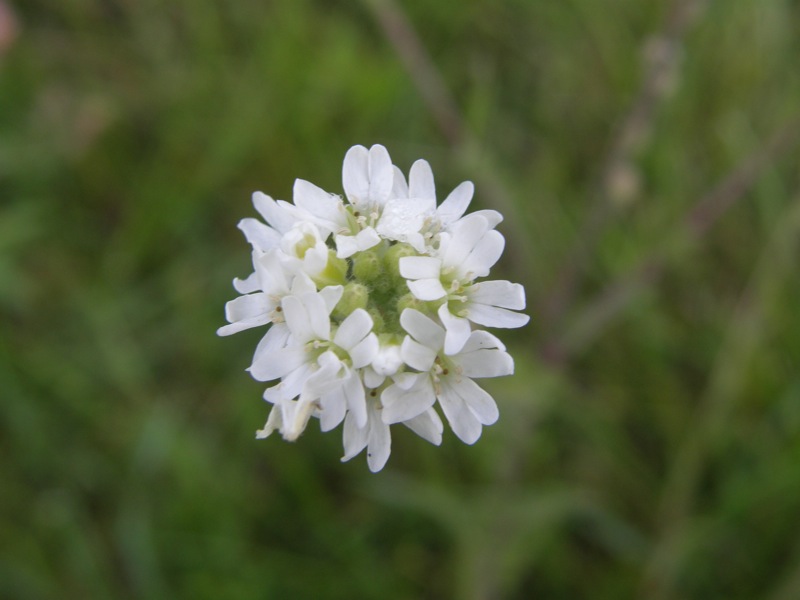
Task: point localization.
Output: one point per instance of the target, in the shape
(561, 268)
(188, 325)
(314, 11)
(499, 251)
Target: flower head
(372, 303)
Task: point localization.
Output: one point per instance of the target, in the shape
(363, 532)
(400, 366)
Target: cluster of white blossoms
(372, 303)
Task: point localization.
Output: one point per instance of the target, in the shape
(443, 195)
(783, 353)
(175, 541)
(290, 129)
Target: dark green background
(645, 155)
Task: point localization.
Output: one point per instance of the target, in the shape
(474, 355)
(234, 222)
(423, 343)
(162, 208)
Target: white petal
(482, 340)
(485, 363)
(272, 365)
(365, 351)
(428, 426)
(272, 272)
(323, 379)
(420, 267)
(353, 329)
(422, 329)
(356, 399)
(427, 289)
(243, 325)
(277, 215)
(401, 405)
(355, 174)
(290, 386)
(457, 330)
(381, 174)
(296, 315)
(380, 442)
(416, 355)
(491, 316)
(275, 339)
(461, 419)
(406, 380)
(367, 238)
(465, 234)
(331, 295)
(483, 257)
(333, 407)
(260, 236)
(372, 379)
(318, 315)
(420, 181)
(247, 285)
(493, 218)
(346, 246)
(456, 203)
(387, 360)
(354, 438)
(316, 259)
(478, 400)
(399, 185)
(403, 217)
(274, 421)
(248, 307)
(498, 293)
(324, 207)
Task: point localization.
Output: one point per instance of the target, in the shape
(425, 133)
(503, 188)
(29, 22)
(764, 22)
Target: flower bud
(355, 295)
(367, 266)
(392, 258)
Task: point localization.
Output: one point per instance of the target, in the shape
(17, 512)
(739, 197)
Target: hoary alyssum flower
(372, 303)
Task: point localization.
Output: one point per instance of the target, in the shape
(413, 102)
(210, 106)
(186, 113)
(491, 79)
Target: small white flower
(468, 251)
(446, 378)
(371, 302)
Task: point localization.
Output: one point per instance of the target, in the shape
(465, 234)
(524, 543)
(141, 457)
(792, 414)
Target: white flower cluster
(371, 303)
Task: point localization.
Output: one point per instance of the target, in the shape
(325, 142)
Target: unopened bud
(355, 295)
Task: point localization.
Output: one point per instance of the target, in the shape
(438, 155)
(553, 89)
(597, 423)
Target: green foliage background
(649, 444)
